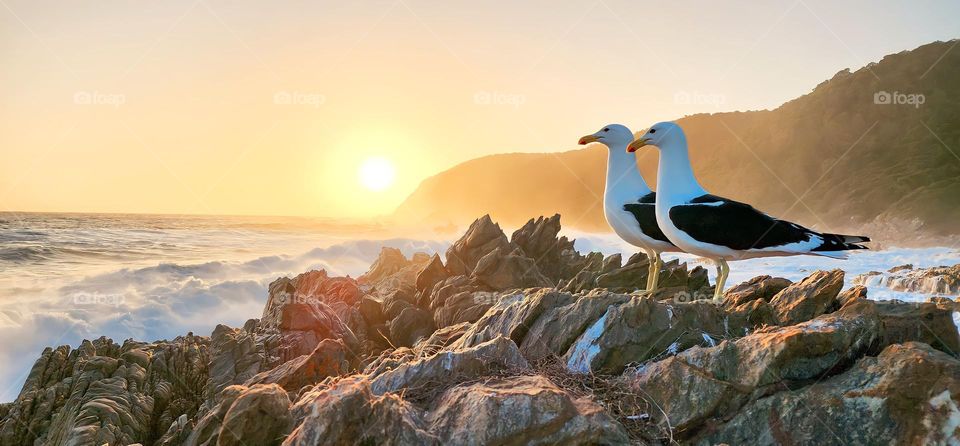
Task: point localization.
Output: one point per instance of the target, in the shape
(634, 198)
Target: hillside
(832, 159)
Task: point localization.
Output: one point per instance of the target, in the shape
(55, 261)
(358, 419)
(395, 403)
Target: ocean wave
(161, 301)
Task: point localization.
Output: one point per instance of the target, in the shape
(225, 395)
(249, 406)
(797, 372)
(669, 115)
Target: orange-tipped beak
(587, 140)
(636, 145)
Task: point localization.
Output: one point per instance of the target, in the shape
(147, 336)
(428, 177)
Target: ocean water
(69, 277)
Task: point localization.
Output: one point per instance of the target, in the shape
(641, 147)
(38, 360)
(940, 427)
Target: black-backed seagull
(628, 203)
(720, 229)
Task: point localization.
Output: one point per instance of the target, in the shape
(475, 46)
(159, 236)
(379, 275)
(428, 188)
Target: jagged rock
(482, 237)
(906, 395)
(499, 353)
(235, 356)
(464, 306)
(392, 270)
(555, 331)
(528, 410)
(328, 359)
(206, 432)
(701, 383)
(349, 413)
(431, 274)
(410, 326)
(102, 392)
(760, 287)
(389, 262)
(260, 415)
(501, 269)
(809, 298)
(851, 295)
(556, 257)
(936, 280)
(511, 317)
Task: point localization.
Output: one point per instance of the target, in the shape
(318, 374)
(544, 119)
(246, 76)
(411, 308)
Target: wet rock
(936, 280)
(909, 394)
(527, 410)
(809, 298)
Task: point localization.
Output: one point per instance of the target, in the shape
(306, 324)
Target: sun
(376, 173)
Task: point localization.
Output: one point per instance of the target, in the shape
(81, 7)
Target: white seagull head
(612, 136)
(658, 135)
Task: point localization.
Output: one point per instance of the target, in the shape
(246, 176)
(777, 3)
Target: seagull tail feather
(841, 242)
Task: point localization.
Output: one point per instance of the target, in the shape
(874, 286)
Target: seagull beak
(636, 145)
(587, 140)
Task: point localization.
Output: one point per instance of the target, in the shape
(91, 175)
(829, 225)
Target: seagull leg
(650, 280)
(722, 271)
(653, 276)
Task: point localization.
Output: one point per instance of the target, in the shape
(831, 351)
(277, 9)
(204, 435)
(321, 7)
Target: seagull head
(612, 135)
(657, 135)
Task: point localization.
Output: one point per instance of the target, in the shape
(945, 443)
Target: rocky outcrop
(701, 383)
(475, 351)
(909, 394)
(105, 393)
(944, 280)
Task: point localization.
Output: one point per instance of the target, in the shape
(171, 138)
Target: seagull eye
(606, 130)
(653, 130)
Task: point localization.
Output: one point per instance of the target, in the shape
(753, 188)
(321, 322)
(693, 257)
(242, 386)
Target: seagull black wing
(719, 221)
(644, 211)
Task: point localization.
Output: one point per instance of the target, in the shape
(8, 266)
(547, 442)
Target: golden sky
(257, 107)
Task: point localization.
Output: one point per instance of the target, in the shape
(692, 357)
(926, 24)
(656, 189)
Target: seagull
(628, 203)
(718, 228)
